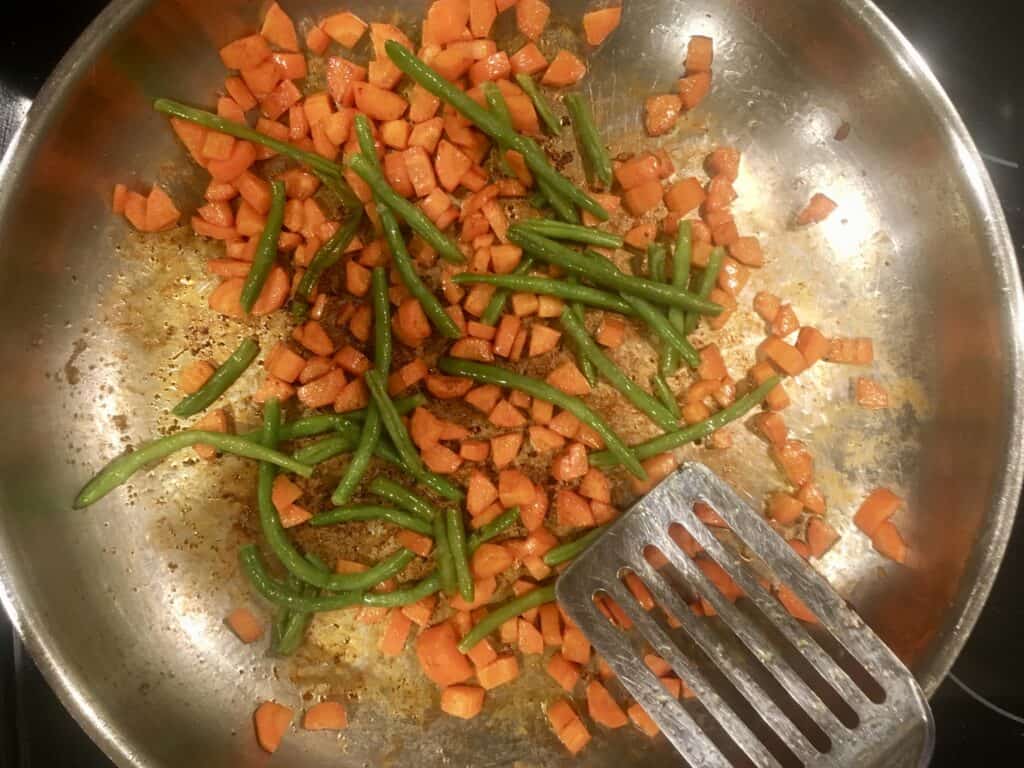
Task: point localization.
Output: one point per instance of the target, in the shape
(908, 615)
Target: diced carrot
(820, 536)
(771, 426)
(482, 653)
(563, 671)
(568, 379)
(448, 387)
(572, 509)
(871, 394)
(531, 642)
(344, 28)
(326, 716)
(317, 40)
(245, 625)
(342, 75)
(480, 493)
(494, 67)
(784, 509)
(323, 391)
(597, 25)
(783, 355)
(813, 345)
(565, 69)
(420, 170)
(392, 642)
(638, 170)
(415, 542)
(271, 720)
(284, 493)
(643, 721)
(888, 542)
(474, 450)
(279, 30)
(423, 105)
(482, 14)
(877, 508)
(353, 397)
(640, 591)
(543, 439)
(532, 17)
(795, 461)
(464, 701)
(575, 646)
(560, 714)
(505, 448)
(661, 113)
(438, 654)
(260, 79)
(528, 60)
(194, 375)
(767, 305)
(451, 165)
(377, 103)
(313, 337)
(503, 670)
(571, 463)
(851, 351)
(524, 304)
(796, 607)
(542, 340)
(315, 367)
(694, 88)
(441, 459)
(490, 560)
(603, 709)
(550, 625)
(699, 54)
(818, 209)
(245, 52)
(641, 199)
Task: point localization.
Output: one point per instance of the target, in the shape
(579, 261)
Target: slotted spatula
(769, 690)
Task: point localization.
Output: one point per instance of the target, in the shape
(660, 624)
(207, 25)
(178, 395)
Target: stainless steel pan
(121, 604)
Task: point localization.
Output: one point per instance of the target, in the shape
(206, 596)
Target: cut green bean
(509, 610)
(562, 208)
(425, 587)
(443, 555)
(577, 233)
(496, 527)
(492, 374)
(439, 485)
(659, 384)
(460, 557)
(499, 107)
(597, 161)
(566, 552)
(681, 258)
(706, 284)
(404, 498)
(656, 262)
(548, 286)
(329, 254)
(496, 305)
(225, 375)
(598, 273)
(381, 320)
(266, 248)
(366, 512)
(329, 447)
(585, 363)
(632, 391)
(318, 424)
(360, 462)
(123, 467)
(432, 307)
(242, 131)
(412, 215)
(367, 144)
(666, 396)
(422, 74)
(550, 120)
(279, 594)
(701, 429)
(288, 637)
(659, 323)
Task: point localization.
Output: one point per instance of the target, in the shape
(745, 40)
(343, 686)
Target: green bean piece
(632, 391)
(598, 163)
(681, 258)
(266, 249)
(492, 374)
(656, 269)
(288, 637)
(701, 429)
(368, 512)
(329, 447)
(225, 375)
(329, 254)
(499, 107)
(553, 124)
(406, 596)
(420, 73)
(496, 527)
(586, 266)
(563, 289)
(432, 307)
(666, 396)
(496, 305)
(123, 467)
(659, 323)
(705, 285)
(656, 262)
(381, 320)
(279, 594)
(586, 365)
(509, 610)
(443, 556)
(460, 557)
(412, 215)
(241, 131)
(318, 424)
(367, 144)
(356, 469)
(565, 552)
(436, 483)
(577, 233)
(562, 208)
(538, 200)
(407, 500)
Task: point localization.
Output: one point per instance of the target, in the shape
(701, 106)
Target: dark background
(973, 48)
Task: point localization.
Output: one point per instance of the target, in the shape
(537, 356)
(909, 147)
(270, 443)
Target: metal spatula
(769, 690)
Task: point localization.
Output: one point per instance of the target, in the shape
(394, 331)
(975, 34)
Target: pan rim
(987, 555)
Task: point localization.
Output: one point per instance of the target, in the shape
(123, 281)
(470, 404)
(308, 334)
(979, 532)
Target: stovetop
(35, 730)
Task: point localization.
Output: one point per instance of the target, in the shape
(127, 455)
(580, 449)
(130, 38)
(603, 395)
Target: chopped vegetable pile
(458, 304)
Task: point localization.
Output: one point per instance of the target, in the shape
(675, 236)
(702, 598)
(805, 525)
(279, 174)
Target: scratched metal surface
(122, 604)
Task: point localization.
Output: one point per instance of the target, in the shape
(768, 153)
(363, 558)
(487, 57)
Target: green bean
(118, 471)
(554, 125)
(656, 262)
(630, 389)
(588, 268)
(407, 500)
(329, 447)
(549, 287)
(706, 284)
(577, 233)
(538, 200)
(701, 429)
(496, 527)
(266, 249)
(278, 594)
(412, 215)
(225, 375)
(407, 596)
(492, 126)
(666, 396)
(569, 550)
(496, 305)
(441, 320)
(381, 319)
(288, 636)
(598, 163)
(436, 483)
(663, 328)
(659, 383)
(443, 555)
(585, 363)
(681, 257)
(368, 512)
(492, 374)
(562, 208)
(329, 254)
(318, 424)
(499, 107)
(460, 557)
(367, 144)
(242, 131)
(532, 599)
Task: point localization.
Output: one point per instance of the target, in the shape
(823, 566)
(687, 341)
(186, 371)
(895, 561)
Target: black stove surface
(987, 88)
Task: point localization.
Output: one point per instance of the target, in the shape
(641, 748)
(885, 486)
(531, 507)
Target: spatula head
(768, 689)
